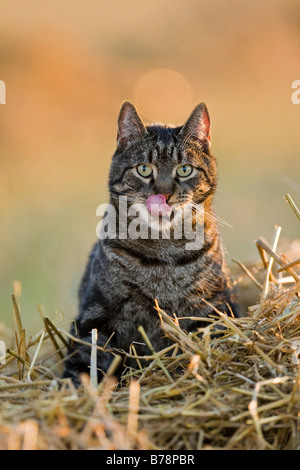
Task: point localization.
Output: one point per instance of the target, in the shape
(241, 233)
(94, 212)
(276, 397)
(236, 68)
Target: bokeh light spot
(163, 95)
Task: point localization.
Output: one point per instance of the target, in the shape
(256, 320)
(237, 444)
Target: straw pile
(238, 390)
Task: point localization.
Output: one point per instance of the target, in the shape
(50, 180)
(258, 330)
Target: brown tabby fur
(124, 276)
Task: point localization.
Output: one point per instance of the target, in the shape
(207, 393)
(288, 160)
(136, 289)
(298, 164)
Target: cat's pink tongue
(157, 205)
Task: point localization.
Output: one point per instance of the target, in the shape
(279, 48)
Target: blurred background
(69, 65)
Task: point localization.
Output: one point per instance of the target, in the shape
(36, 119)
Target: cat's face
(158, 159)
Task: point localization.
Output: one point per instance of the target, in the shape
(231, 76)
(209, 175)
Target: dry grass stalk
(289, 265)
(239, 390)
(293, 205)
(93, 369)
(264, 245)
(249, 274)
(271, 260)
(133, 408)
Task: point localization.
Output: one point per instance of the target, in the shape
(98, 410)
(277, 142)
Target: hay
(236, 390)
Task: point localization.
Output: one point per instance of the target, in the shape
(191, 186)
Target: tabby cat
(125, 275)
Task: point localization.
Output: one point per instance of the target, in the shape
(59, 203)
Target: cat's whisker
(217, 218)
(210, 215)
(128, 196)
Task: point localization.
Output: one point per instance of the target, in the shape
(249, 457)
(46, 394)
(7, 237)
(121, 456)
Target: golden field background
(69, 65)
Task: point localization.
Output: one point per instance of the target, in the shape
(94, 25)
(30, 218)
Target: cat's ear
(130, 125)
(198, 126)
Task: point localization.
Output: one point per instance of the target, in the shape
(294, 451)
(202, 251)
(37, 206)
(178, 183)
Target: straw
(93, 368)
(293, 205)
(270, 263)
(238, 389)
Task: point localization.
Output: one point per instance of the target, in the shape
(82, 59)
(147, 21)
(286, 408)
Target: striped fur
(124, 276)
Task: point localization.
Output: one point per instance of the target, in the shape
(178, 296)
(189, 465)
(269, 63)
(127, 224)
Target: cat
(124, 276)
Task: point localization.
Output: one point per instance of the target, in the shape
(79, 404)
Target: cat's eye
(144, 170)
(184, 170)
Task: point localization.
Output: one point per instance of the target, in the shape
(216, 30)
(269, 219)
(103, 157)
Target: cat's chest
(169, 282)
(158, 279)
(165, 282)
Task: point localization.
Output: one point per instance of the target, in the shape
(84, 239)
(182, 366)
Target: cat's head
(162, 159)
